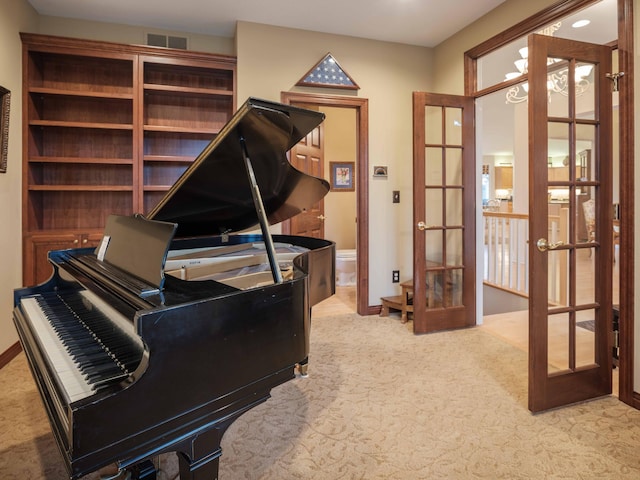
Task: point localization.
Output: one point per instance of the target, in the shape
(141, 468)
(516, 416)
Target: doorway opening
(347, 226)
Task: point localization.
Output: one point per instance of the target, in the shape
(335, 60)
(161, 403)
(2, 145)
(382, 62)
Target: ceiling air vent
(169, 41)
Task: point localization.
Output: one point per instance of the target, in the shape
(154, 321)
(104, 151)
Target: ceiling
(414, 22)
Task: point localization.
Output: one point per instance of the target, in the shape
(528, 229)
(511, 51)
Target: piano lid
(213, 196)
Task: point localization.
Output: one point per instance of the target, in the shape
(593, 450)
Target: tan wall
(273, 59)
(16, 15)
(134, 35)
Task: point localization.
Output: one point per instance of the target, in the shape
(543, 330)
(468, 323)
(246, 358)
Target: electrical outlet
(396, 196)
(395, 276)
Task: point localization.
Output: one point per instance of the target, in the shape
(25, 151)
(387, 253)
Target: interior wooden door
(570, 271)
(308, 156)
(444, 212)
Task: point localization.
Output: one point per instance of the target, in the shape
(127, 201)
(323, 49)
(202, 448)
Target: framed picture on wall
(341, 174)
(5, 98)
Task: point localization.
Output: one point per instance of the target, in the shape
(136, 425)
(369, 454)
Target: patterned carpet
(380, 403)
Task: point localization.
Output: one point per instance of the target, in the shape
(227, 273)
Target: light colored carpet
(381, 403)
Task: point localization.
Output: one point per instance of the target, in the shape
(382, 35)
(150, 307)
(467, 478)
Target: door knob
(422, 226)
(543, 245)
(321, 218)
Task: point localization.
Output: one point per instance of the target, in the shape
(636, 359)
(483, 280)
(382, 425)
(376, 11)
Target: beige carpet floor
(380, 403)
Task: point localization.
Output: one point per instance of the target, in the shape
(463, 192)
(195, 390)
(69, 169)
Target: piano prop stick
(176, 324)
(262, 218)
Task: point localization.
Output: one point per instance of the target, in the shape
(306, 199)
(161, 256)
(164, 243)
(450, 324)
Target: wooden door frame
(626, 153)
(627, 200)
(361, 105)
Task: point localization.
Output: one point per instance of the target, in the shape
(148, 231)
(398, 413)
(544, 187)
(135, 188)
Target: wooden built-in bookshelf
(107, 129)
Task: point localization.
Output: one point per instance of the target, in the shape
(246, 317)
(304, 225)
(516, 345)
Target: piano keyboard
(85, 347)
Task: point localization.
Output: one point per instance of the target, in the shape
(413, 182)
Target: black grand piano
(157, 340)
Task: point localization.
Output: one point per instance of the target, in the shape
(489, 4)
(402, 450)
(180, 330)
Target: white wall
(273, 59)
(17, 15)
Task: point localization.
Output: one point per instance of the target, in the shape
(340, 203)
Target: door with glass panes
(570, 249)
(443, 212)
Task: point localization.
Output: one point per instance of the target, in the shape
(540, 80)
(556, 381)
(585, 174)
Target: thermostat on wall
(380, 171)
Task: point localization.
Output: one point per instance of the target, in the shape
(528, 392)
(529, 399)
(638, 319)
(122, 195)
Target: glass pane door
(570, 217)
(444, 214)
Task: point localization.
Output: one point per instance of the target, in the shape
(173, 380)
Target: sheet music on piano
(176, 325)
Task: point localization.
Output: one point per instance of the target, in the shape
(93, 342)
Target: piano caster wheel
(303, 368)
(141, 471)
(121, 475)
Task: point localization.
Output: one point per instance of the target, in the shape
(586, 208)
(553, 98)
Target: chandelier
(557, 81)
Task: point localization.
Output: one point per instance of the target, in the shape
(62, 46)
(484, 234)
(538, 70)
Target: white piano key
(71, 378)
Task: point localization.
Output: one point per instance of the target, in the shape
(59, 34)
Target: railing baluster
(502, 252)
(505, 259)
(513, 256)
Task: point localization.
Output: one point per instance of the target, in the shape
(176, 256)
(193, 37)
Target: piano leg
(195, 471)
(199, 457)
(201, 463)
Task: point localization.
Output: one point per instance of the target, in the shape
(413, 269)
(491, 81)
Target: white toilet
(345, 268)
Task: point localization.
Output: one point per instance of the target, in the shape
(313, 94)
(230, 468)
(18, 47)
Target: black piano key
(102, 352)
(93, 357)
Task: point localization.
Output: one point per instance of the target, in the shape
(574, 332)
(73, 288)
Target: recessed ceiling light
(581, 23)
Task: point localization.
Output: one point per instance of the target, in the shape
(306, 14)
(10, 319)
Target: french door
(570, 243)
(443, 212)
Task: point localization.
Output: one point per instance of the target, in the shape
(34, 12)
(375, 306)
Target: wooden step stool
(403, 302)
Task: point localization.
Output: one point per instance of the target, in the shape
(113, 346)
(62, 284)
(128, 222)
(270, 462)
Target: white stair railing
(506, 253)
